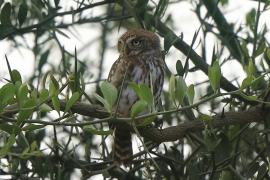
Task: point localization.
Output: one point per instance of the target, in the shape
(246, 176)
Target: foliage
(46, 131)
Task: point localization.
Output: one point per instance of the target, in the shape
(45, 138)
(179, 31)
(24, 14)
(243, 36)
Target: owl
(140, 61)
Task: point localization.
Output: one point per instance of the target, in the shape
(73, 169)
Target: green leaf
(206, 118)
(143, 92)
(56, 104)
(258, 83)
(44, 79)
(261, 48)
(109, 93)
(6, 30)
(22, 14)
(71, 82)
(179, 68)
(251, 68)
(249, 98)
(43, 95)
(22, 93)
(6, 148)
(251, 18)
(32, 127)
(56, 2)
(268, 53)
(43, 59)
(7, 93)
(74, 98)
(138, 107)
(146, 121)
(16, 76)
(180, 89)
(104, 102)
(53, 87)
(92, 130)
(146, 94)
(26, 110)
(190, 93)
(172, 89)
(9, 128)
(135, 87)
(45, 108)
(5, 14)
(246, 82)
(214, 74)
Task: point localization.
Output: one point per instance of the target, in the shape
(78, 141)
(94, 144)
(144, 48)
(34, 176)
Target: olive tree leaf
(109, 93)
(172, 89)
(138, 107)
(92, 130)
(190, 93)
(56, 104)
(73, 99)
(22, 14)
(103, 101)
(214, 74)
(5, 14)
(180, 89)
(16, 76)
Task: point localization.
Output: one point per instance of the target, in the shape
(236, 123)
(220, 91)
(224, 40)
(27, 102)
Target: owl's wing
(117, 72)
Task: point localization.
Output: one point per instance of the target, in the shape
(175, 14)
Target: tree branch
(172, 133)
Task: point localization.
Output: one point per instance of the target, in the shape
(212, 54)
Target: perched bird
(140, 61)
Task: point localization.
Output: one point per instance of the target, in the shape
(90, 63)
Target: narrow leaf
(246, 82)
(43, 59)
(172, 88)
(104, 102)
(214, 74)
(5, 14)
(7, 92)
(138, 107)
(190, 93)
(74, 98)
(16, 76)
(43, 95)
(5, 149)
(181, 89)
(53, 87)
(26, 110)
(56, 104)
(32, 127)
(179, 68)
(146, 94)
(92, 130)
(109, 93)
(45, 108)
(22, 14)
(22, 93)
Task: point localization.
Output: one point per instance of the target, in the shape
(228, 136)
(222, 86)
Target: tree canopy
(54, 123)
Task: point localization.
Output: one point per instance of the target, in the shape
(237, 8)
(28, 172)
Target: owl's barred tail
(122, 146)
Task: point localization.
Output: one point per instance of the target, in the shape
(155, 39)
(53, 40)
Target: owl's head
(136, 41)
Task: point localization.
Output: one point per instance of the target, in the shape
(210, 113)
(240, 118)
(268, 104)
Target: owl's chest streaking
(146, 69)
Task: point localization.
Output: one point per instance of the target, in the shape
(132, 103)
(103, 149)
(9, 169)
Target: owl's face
(137, 41)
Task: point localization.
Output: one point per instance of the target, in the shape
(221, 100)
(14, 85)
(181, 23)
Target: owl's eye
(136, 42)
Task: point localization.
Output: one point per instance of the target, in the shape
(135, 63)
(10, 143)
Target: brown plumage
(140, 56)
